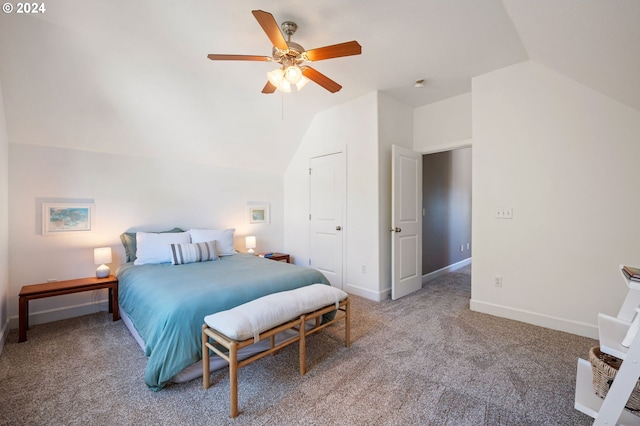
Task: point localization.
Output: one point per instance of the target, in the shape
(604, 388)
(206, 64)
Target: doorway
(446, 209)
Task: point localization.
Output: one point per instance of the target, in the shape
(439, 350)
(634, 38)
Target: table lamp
(250, 243)
(101, 256)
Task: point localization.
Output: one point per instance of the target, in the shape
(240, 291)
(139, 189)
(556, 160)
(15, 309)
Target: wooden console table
(58, 288)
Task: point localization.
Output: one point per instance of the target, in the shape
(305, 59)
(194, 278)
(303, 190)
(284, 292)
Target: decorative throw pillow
(222, 237)
(129, 242)
(195, 252)
(154, 248)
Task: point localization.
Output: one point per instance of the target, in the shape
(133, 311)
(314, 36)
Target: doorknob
(338, 228)
(395, 229)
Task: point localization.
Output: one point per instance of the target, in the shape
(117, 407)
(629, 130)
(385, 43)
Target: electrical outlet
(364, 269)
(461, 247)
(497, 281)
(504, 213)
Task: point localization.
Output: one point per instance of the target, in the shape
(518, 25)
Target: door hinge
(309, 262)
(309, 216)
(309, 171)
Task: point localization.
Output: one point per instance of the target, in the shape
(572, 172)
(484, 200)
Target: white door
(327, 177)
(406, 218)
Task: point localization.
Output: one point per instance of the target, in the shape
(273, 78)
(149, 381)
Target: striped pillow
(195, 252)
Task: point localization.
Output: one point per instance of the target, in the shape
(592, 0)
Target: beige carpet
(425, 359)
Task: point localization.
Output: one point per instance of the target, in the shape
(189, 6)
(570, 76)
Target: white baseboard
(435, 274)
(379, 296)
(536, 318)
(58, 314)
(376, 296)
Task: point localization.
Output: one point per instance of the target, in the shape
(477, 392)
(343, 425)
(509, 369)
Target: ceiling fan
(292, 57)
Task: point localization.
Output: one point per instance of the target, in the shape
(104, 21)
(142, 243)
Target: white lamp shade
(250, 242)
(275, 76)
(285, 86)
(293, 74)
(102, 255)
(301, 83)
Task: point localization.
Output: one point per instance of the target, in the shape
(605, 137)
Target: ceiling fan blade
(216, 57)
(335, 51)
(270, 26)
(321, 79)
(269, 88)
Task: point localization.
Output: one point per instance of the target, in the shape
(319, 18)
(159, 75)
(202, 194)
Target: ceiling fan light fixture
(286, 79)
(275, 77)
(301, 83)
(285, 86)
(293, 74)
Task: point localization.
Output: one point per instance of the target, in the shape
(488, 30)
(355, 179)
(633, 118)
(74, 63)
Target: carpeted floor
(424, 359)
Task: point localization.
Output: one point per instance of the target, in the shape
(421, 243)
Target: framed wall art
(259, 214)
(59, 218)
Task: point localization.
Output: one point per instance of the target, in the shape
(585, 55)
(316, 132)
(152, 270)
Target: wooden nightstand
(58, 288)
(280, 257)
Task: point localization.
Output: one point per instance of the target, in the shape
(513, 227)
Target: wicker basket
(604, 369)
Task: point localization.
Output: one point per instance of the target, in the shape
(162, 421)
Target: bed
(164, 304)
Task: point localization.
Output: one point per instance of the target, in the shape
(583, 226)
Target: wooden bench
(58, 288)
(211, 335)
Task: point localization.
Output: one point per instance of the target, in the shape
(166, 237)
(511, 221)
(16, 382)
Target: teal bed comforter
(167, 303)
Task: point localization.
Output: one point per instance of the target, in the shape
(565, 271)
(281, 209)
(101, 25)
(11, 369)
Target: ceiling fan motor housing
(289, 28)
(293, 55)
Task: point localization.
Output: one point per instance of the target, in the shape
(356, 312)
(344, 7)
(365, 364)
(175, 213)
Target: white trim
(536, 318)
(376, 296)
(66, 312)
(447, 146)
(454, 267)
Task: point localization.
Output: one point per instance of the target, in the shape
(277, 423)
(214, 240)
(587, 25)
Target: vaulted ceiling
(132, 77)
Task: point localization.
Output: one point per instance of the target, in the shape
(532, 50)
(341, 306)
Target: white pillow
(222, 237)
(155, 248)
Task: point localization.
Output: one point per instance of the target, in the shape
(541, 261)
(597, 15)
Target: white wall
(130, 193)
(349, 128)
(395, 127)
(364, 128)
(565, 158)
(443, 125)
(4, 225)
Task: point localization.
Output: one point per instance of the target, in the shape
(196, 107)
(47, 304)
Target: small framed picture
(258, 214)
(58, 218)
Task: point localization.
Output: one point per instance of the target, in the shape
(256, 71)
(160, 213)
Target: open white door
(406, 221)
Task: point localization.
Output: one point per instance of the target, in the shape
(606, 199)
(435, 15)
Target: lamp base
(250, 251)
(103, 271)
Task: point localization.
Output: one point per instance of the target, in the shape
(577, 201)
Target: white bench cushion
(252, 318)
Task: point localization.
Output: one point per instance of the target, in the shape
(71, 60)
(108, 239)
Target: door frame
(467, 143)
